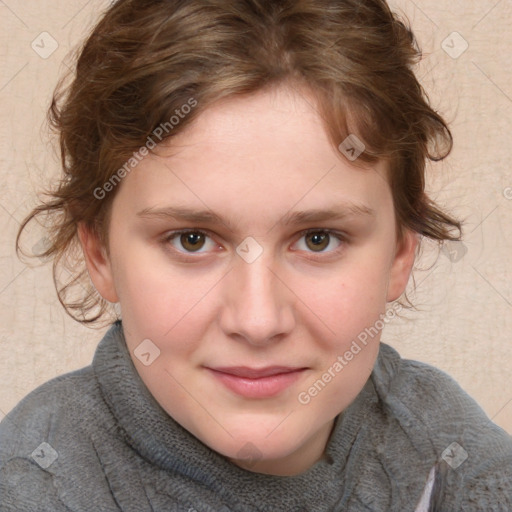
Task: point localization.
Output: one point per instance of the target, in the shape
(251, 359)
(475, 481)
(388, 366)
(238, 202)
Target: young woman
(245, 180)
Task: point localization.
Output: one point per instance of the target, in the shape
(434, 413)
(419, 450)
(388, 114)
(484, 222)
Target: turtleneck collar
(161, 441)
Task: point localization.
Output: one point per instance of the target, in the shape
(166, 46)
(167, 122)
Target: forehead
(277, 120)
(256, 153)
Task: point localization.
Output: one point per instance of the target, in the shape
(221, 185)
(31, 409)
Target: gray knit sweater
(96, 440)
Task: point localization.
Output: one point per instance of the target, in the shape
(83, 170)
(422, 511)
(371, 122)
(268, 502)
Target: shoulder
(430, 397)
(40, 430)
(432, 408)
(58, 403)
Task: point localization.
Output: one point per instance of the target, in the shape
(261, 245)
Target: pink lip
(257, 383)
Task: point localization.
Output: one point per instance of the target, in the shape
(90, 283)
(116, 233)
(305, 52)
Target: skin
(252, 160)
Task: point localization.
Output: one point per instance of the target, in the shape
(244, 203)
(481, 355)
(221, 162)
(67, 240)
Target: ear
(402, 264)
(98, 263)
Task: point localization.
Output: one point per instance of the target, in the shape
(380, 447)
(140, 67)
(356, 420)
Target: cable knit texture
(111, 447)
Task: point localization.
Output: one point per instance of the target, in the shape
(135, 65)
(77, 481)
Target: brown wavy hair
(146, 59)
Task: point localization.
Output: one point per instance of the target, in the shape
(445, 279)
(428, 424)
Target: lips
(257, 383)
(255, 373)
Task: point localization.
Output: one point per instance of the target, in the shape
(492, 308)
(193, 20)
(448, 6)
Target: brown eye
(317, 240)
(321, 242)
(192, 241)
(189, 241)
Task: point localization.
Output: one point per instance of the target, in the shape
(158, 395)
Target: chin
(256, 444)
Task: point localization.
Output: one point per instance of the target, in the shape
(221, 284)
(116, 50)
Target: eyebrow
(290, 219)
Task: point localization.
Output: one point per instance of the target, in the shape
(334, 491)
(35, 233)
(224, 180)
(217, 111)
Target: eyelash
(185, 255)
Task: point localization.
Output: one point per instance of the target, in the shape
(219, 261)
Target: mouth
(257, 382)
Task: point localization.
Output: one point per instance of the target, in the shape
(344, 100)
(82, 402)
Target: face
(250, 316)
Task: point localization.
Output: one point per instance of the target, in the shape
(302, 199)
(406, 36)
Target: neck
(312, 451)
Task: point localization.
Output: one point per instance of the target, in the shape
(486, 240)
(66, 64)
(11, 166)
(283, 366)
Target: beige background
(465, 300)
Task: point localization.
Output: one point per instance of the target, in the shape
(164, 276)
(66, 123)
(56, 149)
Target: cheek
(352, 308)
(172, 308)
(349, 301)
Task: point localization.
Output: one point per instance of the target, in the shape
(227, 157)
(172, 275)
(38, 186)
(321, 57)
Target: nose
(258, 305)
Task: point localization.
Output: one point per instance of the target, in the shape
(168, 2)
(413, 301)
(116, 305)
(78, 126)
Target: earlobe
(98, 263)
(402, 264)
